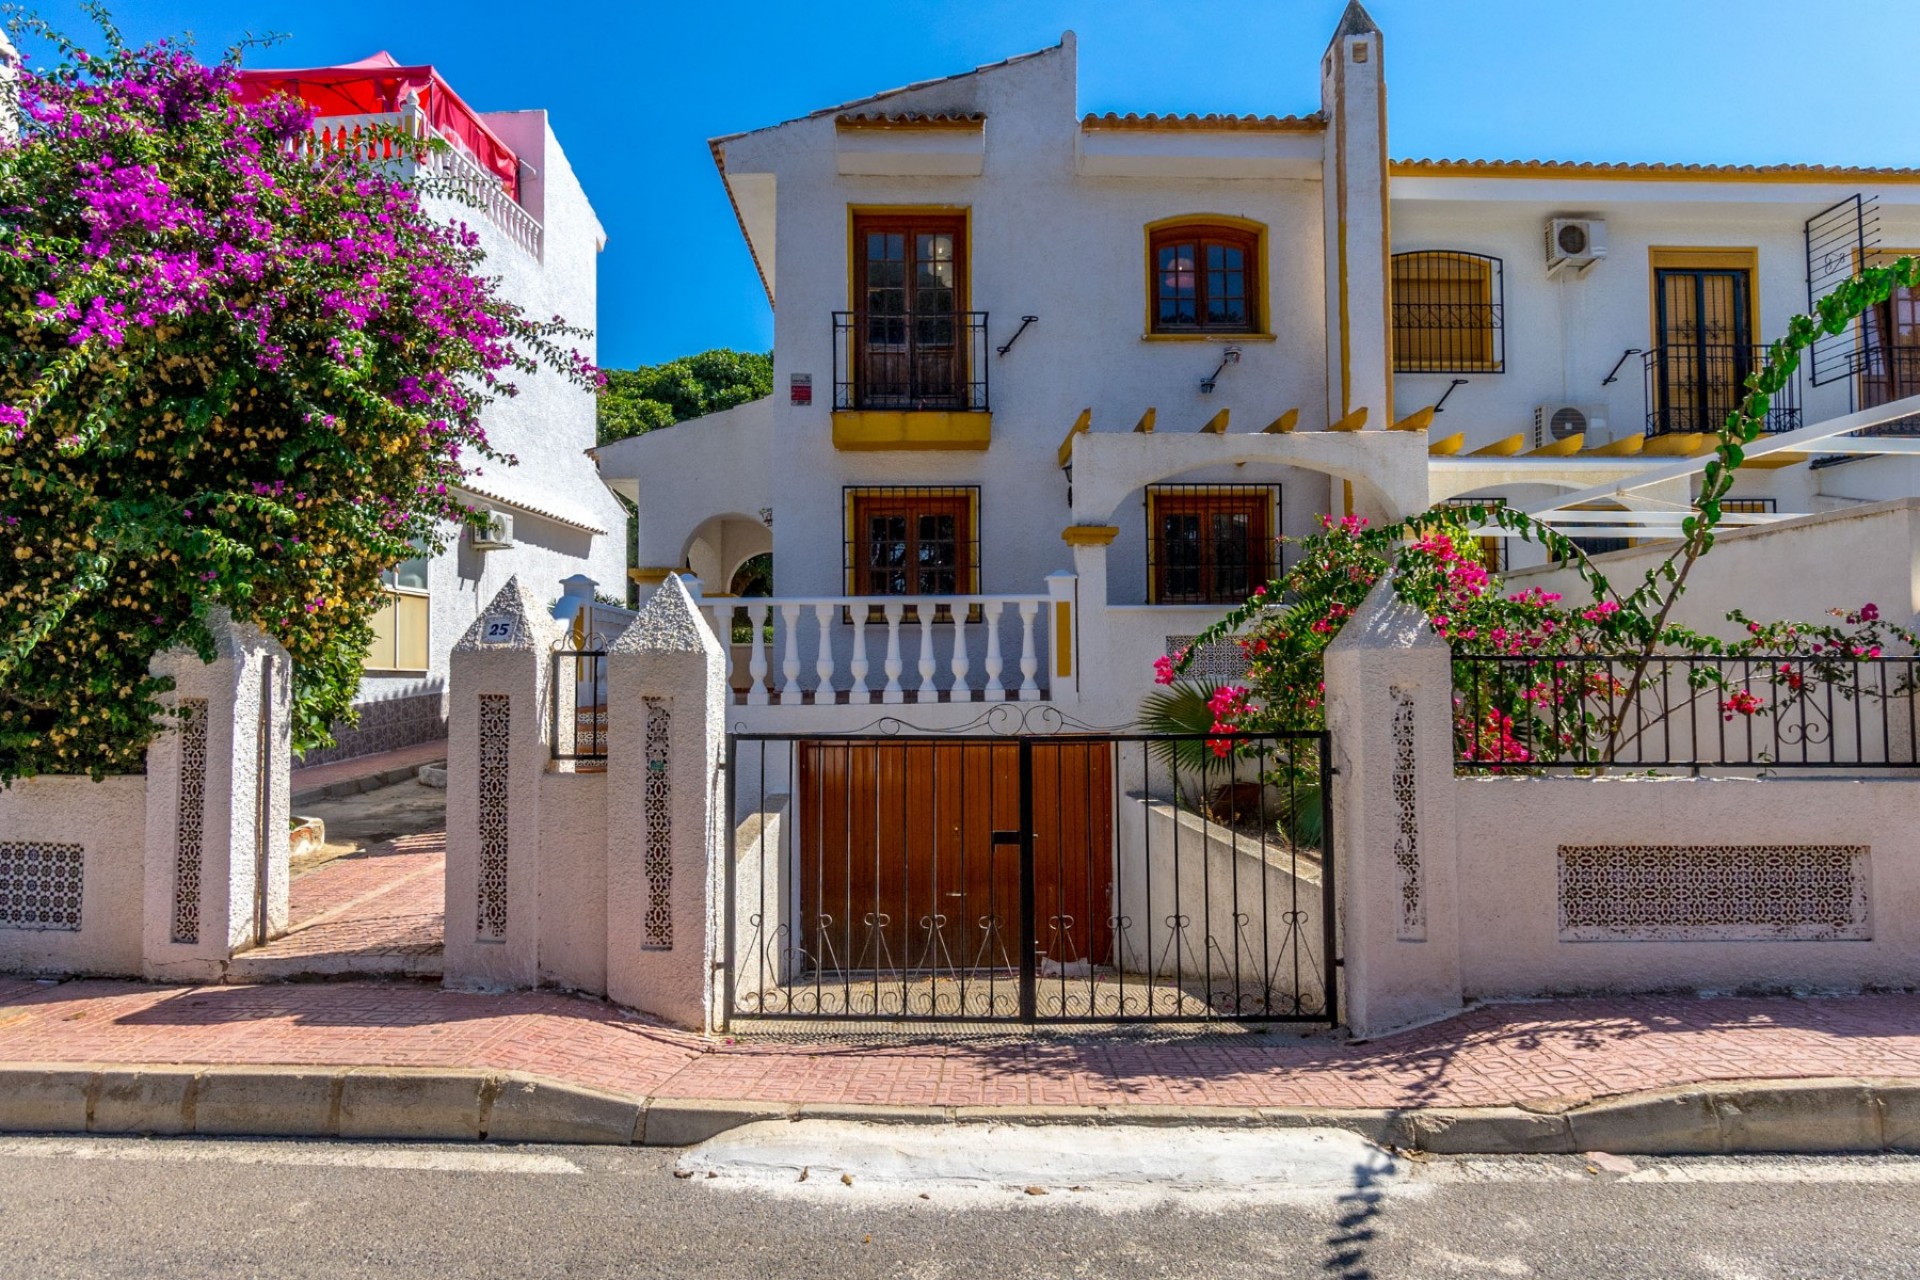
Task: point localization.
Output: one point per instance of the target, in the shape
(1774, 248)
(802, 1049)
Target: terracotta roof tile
(911, 119)
(1211, 122)
(1632, 169)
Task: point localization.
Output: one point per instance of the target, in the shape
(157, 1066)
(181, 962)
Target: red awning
(377, 85)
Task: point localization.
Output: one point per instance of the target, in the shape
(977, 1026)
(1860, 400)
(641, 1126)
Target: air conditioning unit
(1552, 422)
(1575, 242)
(498, 535)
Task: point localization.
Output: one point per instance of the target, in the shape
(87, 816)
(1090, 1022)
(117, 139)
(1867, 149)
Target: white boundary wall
(1456, 888)
(174, 867)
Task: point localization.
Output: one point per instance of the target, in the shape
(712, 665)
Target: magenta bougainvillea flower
(241, 373)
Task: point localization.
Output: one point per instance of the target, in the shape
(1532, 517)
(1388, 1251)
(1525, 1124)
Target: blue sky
(636, 89)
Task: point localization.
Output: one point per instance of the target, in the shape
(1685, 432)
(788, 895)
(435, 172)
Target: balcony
(910, 380)
(1886, 374)
(450, 165)
(1693, 388)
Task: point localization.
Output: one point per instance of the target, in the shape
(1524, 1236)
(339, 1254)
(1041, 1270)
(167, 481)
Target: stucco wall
(1510, 829)
(108, 820)
(1084, 277)
(1564, 334)
(548, 427)
(573, 880)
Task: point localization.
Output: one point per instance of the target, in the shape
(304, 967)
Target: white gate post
(497, 745)
(666, 708)
(217, 842)
(1390, 711)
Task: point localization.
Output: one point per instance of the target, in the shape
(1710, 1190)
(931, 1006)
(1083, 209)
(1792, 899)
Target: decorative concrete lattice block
(496, 751)
(40, 885)
(1406, 836)
(190, 820)
(1696, 892)
(1222, 661)
(658, 805)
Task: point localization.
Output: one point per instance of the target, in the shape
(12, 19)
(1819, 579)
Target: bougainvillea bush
(234, 374)
(1564, 699)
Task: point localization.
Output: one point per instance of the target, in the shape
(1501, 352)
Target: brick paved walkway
(378, 912)
(1551, 1050)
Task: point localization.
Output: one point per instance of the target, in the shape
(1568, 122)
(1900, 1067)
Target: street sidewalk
(1534, 1063)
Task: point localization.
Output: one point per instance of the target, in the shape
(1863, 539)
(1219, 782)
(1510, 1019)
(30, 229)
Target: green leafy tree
(636, 401)
(236, 373)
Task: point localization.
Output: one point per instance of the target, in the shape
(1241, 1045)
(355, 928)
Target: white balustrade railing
(357, 133)
(940, 632)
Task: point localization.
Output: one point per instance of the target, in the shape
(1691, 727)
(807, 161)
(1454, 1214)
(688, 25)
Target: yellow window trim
(1704, 258)
(1262, 330)
(938, 430)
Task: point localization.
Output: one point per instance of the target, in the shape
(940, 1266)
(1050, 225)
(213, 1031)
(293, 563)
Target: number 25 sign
(499, 628)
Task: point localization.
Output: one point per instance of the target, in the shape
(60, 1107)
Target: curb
(1863, 1114)
(354, 786)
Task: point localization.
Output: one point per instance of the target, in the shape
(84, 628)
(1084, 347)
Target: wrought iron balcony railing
(1694, 386)
(1886, 374)
(910, 360)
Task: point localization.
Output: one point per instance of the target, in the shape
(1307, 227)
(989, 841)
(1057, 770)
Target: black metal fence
(1694, 386)
(910, 360)
(1686, 712)
(577, 706)
(1030, 878)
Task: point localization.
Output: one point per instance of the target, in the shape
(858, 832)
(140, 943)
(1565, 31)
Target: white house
(1012, 341)
(553, 516)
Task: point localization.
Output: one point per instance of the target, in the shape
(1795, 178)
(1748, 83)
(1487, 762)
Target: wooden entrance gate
(1036, 878)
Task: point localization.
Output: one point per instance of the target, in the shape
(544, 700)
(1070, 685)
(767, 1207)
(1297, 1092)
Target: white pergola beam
(1790, 441)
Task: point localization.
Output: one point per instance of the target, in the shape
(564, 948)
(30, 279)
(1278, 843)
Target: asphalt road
(179, 1208)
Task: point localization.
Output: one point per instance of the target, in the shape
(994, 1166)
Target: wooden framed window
(910, 323)
(403, 624)
(913, 541)
(1203, 278)
(1209, 543)
(1447, 312)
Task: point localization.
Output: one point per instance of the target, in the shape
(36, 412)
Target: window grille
(1493, 551)
(1210, 543)
(1750, 506)
(913, 540)
(1447, 312)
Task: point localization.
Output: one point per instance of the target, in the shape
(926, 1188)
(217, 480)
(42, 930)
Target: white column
(823, 661)
(1029, 658)
(723, 629)
(893, 692)
(858, 691)
(960, 664)
(927, 691)
(757, 656)
(1353, 96)
(1390, 713)
(497, 754)
(217, 845)
(995, 690)
(790, 659)
(665, 830)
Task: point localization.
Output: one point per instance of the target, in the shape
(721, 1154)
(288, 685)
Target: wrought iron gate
(1029, 878)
